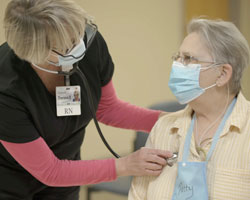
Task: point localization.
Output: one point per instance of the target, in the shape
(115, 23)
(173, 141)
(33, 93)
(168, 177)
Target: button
(184, 164)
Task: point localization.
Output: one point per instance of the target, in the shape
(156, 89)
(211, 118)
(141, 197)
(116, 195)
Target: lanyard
(215, 138)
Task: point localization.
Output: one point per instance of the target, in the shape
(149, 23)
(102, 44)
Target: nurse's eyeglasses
(188, 59)
(90, 27)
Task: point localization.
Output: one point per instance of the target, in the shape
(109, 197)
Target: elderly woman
(212, 134)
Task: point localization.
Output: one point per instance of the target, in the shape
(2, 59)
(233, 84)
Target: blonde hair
(226, 45)
(34, 27)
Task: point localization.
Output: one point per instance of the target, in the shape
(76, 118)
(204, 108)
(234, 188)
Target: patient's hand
(145, 161)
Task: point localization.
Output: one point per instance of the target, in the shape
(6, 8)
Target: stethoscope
(91, 106)
(90, 31)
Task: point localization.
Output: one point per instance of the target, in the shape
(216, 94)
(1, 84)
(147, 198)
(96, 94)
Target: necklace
(199, 139)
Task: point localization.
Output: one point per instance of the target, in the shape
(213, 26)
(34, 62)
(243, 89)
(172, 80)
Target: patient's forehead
(194, 45)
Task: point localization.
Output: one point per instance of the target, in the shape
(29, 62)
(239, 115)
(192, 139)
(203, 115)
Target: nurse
(41, 127)
(211, 135)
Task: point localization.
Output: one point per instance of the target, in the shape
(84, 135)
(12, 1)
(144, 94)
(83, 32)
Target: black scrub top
(28, 110)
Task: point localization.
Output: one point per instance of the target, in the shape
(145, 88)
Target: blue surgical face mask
(184, 82)
(76, 54)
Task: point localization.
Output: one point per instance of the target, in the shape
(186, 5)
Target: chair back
(167, 106)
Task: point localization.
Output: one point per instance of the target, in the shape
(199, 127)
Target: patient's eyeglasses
(188, 59)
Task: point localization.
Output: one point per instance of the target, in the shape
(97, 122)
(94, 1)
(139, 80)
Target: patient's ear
(226, 71)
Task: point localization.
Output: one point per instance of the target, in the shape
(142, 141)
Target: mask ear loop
(46, 70)
(209, 86)
(213, 65)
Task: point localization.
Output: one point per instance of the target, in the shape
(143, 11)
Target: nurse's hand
(145, 161)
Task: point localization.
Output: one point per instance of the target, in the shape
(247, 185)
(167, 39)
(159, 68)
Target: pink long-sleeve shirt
(38, 159)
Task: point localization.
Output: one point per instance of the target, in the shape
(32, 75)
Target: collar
(236, 120)
(239, 115)
(182, 121)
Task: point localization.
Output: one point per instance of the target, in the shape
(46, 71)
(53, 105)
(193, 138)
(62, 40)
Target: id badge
(68, 100)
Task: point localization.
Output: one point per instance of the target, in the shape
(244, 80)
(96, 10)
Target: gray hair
(34, 27)
(226, 45)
